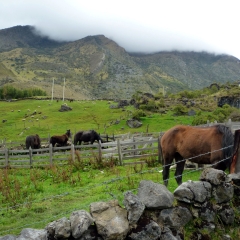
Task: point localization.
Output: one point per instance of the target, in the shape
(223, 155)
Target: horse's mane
(227, 140)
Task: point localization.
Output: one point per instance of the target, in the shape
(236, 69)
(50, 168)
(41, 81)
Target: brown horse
(203, 145)
(61, 140)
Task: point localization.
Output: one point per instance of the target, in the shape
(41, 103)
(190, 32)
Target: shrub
(179, 110)
(137, 114)
(202, 119)
(235, 116)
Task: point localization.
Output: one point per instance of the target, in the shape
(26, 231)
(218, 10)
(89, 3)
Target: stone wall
(202, 209)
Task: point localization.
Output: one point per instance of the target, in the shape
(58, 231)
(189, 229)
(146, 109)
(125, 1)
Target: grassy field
(34, 197)
(85, 115)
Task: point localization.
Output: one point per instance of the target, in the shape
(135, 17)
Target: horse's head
(68, 133)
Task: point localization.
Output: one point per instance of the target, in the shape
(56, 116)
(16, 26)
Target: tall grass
(35, 197)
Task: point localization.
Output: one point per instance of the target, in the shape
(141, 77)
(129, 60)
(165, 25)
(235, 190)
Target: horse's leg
(179, 168)
(165, 174)
(167, 163)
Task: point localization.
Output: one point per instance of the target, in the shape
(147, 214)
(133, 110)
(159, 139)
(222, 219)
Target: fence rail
(126, 148)
(125, 152)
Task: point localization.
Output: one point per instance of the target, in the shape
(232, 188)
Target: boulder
(175, 217)
(8, 237)
(154, 195)
(65, 108)
(133, 123)
(59, 229)
(80, 221)
(32, 234)
(191, 191)
(150, 232)
(110, 219)
(134, 207)
(213, 176)
(223, 193)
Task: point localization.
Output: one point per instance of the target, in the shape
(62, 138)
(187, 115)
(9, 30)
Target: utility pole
(52, 88)
(63, 88)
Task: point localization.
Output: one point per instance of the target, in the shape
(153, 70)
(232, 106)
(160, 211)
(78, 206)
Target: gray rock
(110, 219)
(8, 237)
(62, 228)
(207, 212)
(226, 237)
(223, 193)
(80, 221)
(233, 178)
(132, 123)
(193, 191)
(168, 235)
(65, 108)
(154, 195)
(213, 176)
(226, 214)
(175, 217)
(134, 207)
(91, 234)
(152, 231)
(50, 228)
(32, 234)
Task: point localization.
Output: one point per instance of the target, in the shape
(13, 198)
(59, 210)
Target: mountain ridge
(97, 67)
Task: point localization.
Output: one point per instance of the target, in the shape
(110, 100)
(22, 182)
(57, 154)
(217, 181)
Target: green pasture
(35, 197)
(32, 198)
(85, 115)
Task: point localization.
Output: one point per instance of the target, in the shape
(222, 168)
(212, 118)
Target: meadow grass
(85, 115)
(34, 197)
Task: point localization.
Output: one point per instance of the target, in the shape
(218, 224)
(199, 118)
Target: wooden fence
(137, 149)
(125, 148)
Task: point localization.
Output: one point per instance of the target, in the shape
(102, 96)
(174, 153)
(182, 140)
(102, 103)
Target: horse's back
(33, 141)
(191, 141)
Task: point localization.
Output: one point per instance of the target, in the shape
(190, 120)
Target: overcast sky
(137, 26)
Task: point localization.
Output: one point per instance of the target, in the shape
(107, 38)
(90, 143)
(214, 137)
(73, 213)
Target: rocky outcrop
(65, 108)
(232, 101)
(133, 123)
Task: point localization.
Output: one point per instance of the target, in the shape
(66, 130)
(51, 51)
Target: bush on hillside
(179, 110)
(137, 114)
(219, 115)
(200, 119)
(235, 116)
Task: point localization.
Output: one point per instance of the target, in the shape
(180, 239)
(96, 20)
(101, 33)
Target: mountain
(97, 67)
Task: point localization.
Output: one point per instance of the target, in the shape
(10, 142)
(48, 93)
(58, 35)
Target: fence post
(51, 154)
(30, 156)
(134, 146)
(6, 157)
(72, 153)
(119, 152)
(229, 124)
(99, 150)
